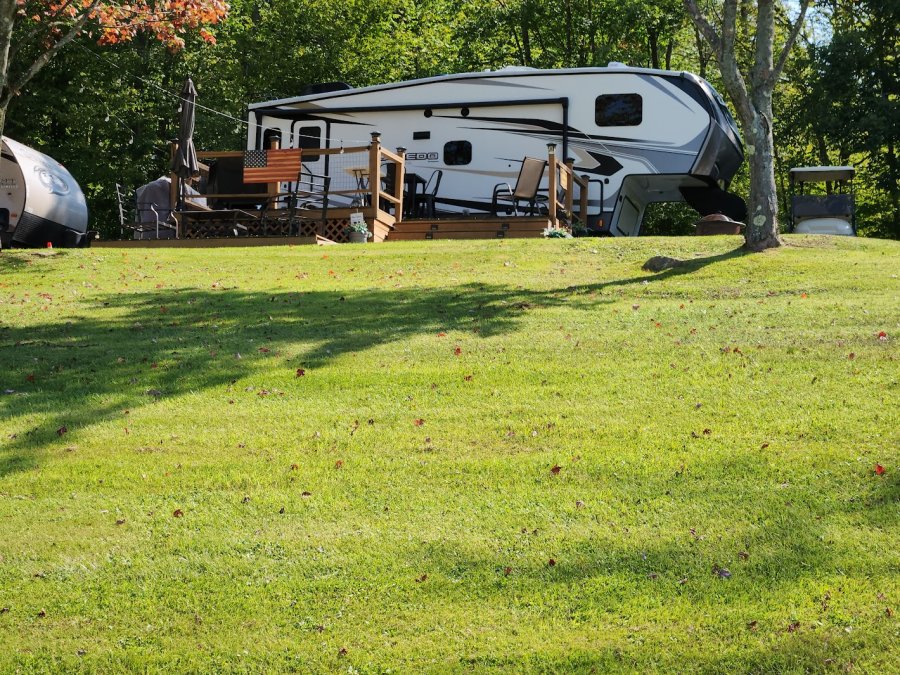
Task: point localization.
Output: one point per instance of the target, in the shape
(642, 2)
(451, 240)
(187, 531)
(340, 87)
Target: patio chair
(528, 183)
(423, 204)
(284, 214)
(142, 219)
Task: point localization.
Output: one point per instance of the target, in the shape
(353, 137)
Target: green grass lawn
(451, 456)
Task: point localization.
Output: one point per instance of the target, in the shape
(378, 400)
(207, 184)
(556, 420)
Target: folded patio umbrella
(184, 163)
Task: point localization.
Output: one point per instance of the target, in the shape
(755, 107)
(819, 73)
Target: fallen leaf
(177, 513)
(300, 372)
(457, 351)
(551, 562)
(61, 431)
(653, 576)
(764, 446)
(579, 504)
(281, 510)
(804, 295)
(879, 470)
(263, 350)
(467, 378)
(851, 356)
(555, 469)
(342, 651)
(29, 377)
(295, 466)
(442, 335)
(888, 612)
(743, 555)
(306, 493)
(419, 422)
(422, 578)
(339, 464)
(508, 570)
(120, 521)
(752, 625)
(882, 336)
(42, 613)
(721, 572)
(245, 500)
(792, 627)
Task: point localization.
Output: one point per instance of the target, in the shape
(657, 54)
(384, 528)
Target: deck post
(375, 170)
(173, 177)
(570, 189)
(274, 188)
(399, 182)
(551, 186)
(583, 195)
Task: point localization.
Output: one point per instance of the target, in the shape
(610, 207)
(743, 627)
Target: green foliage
(345, 478)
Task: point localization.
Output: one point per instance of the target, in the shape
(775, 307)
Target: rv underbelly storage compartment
(40, 201)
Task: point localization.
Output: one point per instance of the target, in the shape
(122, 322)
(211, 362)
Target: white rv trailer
(40, 201)
(640, 135)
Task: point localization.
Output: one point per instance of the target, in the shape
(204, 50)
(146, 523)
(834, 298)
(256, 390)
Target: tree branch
(704, 26)
(46, 56)
(789, 43)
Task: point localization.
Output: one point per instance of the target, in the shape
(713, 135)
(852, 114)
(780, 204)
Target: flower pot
(359, 237)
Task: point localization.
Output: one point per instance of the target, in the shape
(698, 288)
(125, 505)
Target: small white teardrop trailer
(40, 201)
(832, 211)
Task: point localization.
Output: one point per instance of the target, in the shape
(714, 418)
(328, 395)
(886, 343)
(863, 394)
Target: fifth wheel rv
(640, 135)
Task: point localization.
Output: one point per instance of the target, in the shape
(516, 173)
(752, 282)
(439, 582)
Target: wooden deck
(211, 242)
(469, 228)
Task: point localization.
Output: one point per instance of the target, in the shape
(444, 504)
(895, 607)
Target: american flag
(271, 166)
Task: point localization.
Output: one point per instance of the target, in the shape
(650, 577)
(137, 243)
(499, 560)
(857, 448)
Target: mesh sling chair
(308, 200)
(423, 204)
(141, 218)
(508, 199)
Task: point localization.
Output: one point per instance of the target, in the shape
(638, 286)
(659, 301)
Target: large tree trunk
(7, 22)
(762, 210)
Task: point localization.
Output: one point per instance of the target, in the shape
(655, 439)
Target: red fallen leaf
(300, 372)
(467, 378)
(551, 562)
(804, 295)
(264, 350)
(707, 432)
(342, 651)
(154, 365)
(422, 578)
(339, 464)
(555, 469)
(681, 306)
(419, 422)
(882, 335)
(29, 377)
(294, 467)
(792, 627)
(879, 470)
(851, 356)
(61, 431)
(507, 571)
(442, 335)
(177, 513)
(457, 350)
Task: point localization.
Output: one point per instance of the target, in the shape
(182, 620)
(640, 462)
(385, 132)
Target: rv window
(457, 153)
(309, 138)
(618, 110)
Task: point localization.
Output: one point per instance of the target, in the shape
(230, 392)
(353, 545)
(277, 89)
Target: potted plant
(551, 232)
(358, 232)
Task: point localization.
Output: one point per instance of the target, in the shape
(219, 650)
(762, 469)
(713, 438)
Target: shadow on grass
(168, 342)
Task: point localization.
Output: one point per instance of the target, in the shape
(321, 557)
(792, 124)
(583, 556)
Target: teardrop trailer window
(618, 110)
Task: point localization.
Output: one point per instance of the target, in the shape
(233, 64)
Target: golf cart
(828, 211)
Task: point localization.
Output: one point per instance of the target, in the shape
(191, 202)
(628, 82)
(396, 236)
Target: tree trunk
(7, 22)
(762, 210)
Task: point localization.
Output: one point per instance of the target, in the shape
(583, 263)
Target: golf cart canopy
(816, 174)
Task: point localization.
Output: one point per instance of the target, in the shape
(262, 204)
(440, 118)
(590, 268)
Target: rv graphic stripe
(271, 166)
